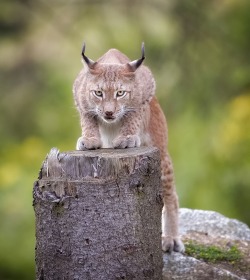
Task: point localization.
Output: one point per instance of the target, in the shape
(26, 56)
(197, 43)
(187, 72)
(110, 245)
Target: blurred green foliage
(199, 53)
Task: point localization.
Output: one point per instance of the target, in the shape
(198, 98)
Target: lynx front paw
(84, 143)
(170, 244)
(128, 141)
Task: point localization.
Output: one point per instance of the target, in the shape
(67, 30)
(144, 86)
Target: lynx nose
(109, 114)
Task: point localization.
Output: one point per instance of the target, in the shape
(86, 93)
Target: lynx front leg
(129, 134)
(90, 138)
(170, 238)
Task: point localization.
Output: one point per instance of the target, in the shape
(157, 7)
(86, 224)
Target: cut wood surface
(98, 215)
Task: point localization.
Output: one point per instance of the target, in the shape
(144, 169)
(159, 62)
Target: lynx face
(110, 94)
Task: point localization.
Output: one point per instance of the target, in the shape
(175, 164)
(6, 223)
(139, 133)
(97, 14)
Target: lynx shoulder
(118, 109)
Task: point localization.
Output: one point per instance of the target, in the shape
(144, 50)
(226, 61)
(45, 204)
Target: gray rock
(179, 267)
(210, 226)
(213, 224)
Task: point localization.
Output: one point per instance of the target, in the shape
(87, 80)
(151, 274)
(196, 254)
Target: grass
(213, 253)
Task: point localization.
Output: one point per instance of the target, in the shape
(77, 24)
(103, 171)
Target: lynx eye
(120, 93)
(98, 93)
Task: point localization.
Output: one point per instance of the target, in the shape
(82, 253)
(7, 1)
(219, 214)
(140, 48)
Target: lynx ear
(134, 65)
(90, 63)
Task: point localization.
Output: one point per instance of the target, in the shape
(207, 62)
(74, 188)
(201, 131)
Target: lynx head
(113, 86)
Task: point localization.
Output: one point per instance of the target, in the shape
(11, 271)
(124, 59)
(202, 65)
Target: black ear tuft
(91, 64)
(134, 65)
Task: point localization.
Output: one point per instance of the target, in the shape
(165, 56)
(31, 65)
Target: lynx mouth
(110, 119)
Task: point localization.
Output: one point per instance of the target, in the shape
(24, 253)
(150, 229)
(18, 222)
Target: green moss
(213, 253)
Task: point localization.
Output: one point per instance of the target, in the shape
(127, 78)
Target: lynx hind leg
(170, 238)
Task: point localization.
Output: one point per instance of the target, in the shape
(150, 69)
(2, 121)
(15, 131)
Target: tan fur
(131, 120)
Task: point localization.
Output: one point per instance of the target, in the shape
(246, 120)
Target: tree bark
(98, 215)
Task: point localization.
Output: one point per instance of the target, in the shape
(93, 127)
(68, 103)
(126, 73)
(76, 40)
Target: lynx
(118, 109)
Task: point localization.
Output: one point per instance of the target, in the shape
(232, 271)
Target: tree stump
(98, 215)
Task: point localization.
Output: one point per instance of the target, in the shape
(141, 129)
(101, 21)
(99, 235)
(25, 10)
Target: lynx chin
(118, 109)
